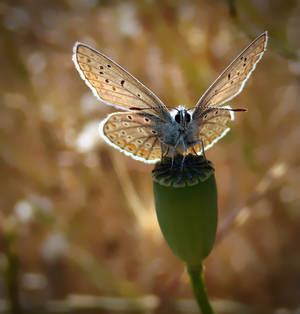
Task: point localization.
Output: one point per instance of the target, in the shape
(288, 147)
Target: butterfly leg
(174, 149)
(164, 150)
(173, 156)
(193, 143)
(184, 154)
(202, 147)
(203, 151)
(193, 147)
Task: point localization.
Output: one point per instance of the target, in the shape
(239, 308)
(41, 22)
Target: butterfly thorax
(177, 132)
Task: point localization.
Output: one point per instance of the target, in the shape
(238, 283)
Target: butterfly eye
(187, 117)
(177, 117)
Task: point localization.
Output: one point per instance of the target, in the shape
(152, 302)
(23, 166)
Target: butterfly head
(182, 116)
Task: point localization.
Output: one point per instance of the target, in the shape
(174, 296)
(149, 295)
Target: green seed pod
(186, 206)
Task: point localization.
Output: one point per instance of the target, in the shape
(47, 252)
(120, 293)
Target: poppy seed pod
(186, 206)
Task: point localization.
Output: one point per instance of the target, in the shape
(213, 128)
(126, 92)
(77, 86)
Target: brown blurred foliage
(79, 215)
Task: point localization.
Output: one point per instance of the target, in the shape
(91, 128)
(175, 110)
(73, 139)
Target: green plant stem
(197, 281)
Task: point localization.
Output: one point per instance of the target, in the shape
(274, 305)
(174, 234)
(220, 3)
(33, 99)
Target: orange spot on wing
(112, 126)
(120, 142)
(131, 147)
(96, 84)
(142, 152)
(85, 67)
(91, 76)
(112, 137)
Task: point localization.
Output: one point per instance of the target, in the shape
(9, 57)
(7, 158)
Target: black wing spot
(129, 117)
(153, 132)
(147, 120)
(107, 80)
(139, 95)
(101, 67)
(122, 82)
(228, 76)
(245, 59)
(216, 112)
(101, 72)
(109, 66)
(244, 64)
(205, 116)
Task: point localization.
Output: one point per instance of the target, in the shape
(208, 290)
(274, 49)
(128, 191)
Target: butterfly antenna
(231, 109)
(147, 108)
(140, 109)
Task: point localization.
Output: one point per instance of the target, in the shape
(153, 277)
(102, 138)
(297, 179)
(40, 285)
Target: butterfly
(147, 130)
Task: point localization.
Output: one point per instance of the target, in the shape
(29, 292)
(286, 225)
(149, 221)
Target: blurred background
(78, 231)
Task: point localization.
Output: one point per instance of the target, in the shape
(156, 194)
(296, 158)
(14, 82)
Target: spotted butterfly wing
(214, 125)
(112, 84)
(133, 134)
(232, 80)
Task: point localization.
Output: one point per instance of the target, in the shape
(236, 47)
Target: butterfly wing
(112, 84)
(132, 134)
(214, 124)
(232, 80)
